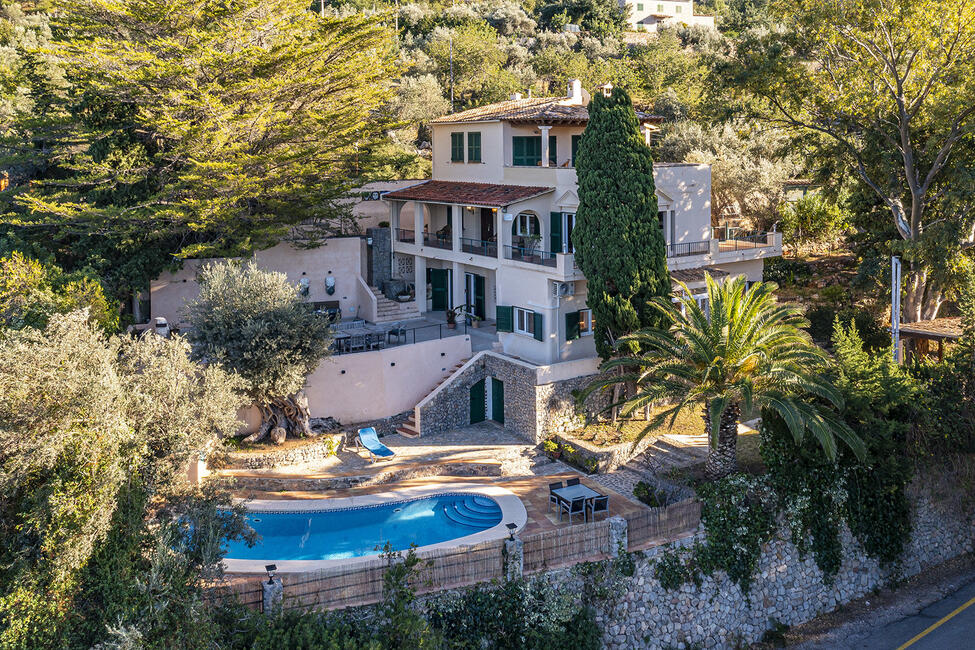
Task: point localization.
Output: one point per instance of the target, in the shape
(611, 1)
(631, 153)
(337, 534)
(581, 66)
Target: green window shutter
(575, 148)
(535, 149)
(572, 326)
(474, 146)
(518, 151)
(538, 327)
(456, 147)
(505, 321)
(555, 237)
(553, 151)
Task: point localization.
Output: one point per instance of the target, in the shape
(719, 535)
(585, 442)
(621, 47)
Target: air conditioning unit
(563, 289)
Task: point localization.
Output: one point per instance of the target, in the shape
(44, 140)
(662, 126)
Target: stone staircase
(388, 310)
(409, 428)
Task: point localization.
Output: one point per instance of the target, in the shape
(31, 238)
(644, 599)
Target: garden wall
(787, 588)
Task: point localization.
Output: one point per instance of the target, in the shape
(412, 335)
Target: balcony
(530, 255)
(437, 240)
(687, 249)
(731, 240)
(405, 236)
(479, 247)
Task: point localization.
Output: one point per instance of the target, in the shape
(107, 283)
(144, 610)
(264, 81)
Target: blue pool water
(336, 534)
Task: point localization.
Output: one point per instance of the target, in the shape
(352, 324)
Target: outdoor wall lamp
(270, 568)
(511, 530)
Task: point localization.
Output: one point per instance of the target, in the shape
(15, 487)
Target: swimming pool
(314, 533)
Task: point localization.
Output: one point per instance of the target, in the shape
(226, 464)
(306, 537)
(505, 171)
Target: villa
(649, 16)
(488, 240)
(493, 228)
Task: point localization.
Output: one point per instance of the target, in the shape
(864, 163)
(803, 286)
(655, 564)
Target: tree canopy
(256, 324)
(888, 86)
(619, 245)
(254, 119)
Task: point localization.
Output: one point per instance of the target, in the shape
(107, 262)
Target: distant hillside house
(648, 16)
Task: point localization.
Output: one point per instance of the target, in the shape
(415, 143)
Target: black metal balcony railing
(734, 239)
(530, 255)
(688, 248)
(479, 247)
(437, 240)
(405, 236)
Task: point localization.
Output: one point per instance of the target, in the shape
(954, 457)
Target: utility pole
(895, 306)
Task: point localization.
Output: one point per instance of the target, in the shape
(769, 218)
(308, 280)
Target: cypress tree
(618, 242)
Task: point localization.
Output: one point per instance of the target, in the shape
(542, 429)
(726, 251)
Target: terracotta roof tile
(484, 194)
(533, 109)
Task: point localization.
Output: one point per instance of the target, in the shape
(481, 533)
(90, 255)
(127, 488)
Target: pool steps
(474, 511)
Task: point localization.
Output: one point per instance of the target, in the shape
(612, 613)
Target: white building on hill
(649, 15)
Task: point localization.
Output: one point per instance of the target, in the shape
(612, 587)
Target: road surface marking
(936, 625)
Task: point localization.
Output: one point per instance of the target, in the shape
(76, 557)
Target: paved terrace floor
(523, 470)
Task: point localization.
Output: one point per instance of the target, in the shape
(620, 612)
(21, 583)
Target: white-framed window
(526, 224)
(585, 322)
(702, 301)
(524, 321)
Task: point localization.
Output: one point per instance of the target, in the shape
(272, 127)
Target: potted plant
(452, 317)
(472, 318)
(531, 244)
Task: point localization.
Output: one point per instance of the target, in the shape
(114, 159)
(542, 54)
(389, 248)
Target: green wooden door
(497, 400)
(479, 309)
(477, 402)
(438, 282)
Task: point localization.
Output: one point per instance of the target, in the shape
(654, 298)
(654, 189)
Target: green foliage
(245, 629)
(617, 238)
(30, 293)
(528, 614)
(813, 220)
(746, 352)
(600, 17)
(256, 324)
(650, 495)
(882, 405)
(255, 119)
(782, 270)
(822, 318)
(676, 568)
(97, 434)
(738, 513)
(749, 165)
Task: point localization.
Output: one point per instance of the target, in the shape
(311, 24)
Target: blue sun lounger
(368, 438)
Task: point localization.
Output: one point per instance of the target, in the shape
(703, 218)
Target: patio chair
(574, 507)
(357, 342)
(597, 505)
(572, 481)
(396, 330)
(367, 438)
(552, 497)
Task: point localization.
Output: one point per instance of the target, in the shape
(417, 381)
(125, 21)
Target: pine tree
(617, 238)
(197, 128)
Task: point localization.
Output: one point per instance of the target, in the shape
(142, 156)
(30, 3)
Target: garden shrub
(783, 271)
(650, 495)
(529, 614)
(822, 318)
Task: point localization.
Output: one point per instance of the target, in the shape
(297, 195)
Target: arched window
(525, 225)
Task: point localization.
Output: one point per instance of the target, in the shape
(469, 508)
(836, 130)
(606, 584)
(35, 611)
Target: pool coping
(512, 511)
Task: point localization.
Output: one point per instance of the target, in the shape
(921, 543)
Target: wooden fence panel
(565, 546)
(661, 523)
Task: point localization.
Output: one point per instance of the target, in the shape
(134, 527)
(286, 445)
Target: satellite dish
(586, 97)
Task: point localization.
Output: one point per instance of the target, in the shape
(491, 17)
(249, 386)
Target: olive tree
(255, 323)
(95, 437)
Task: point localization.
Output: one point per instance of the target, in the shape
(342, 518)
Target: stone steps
(409, 428)
(391, 310)
(664, 455)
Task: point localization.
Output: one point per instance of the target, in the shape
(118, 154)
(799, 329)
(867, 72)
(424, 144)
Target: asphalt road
(948, 624)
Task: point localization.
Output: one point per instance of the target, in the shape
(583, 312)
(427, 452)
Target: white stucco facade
(519, 250)
(650, 15)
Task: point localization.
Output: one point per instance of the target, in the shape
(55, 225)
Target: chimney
(515, 96)
(575, 91)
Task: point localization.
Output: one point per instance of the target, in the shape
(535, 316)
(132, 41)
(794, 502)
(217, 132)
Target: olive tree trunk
(722, 457)
(282, 417)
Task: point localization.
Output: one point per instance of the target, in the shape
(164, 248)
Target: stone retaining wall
(787, 588)
(608, 457)
(392, 475)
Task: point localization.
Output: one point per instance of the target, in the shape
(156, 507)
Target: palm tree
(741, 351)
